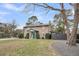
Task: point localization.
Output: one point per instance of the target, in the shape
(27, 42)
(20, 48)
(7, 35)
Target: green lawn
(26, 47)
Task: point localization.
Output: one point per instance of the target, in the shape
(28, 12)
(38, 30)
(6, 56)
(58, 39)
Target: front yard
(36, 47)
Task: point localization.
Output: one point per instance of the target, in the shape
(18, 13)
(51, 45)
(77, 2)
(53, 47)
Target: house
(37, 31)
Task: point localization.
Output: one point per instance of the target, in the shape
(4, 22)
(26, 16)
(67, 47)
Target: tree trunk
(66, 27)
(71, 36)
(67, 30)
(72, 40)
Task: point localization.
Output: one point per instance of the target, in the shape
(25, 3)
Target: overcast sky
(8, 12)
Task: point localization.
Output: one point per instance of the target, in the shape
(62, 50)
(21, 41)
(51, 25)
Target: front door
(33, 36)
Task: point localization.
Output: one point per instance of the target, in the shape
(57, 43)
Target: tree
(6, 29)
(32, 20)
(58, 20)
(50, 26)
(17, 32)
(13, 26)
(71, 38)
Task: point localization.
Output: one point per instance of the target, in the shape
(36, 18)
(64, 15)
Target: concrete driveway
(61, 47)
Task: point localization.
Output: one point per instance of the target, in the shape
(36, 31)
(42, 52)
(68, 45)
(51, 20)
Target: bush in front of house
(4, 35)
(48, 36)
(77, 38)
(37, 35)
(27, 36)
(21, 35)
(42, 37)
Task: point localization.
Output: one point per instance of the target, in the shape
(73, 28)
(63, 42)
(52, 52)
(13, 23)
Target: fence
(59, 36)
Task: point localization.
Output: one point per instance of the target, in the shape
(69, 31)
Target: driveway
(61, 47)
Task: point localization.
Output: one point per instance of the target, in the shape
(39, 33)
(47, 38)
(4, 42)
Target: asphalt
(64, 50)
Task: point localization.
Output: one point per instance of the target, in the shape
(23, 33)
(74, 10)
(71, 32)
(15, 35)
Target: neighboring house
(37, 31)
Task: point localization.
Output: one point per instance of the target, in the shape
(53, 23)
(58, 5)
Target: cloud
(13, 7)
(3, 13)
(20, 27)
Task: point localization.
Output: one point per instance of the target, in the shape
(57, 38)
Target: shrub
(42, 37)
(4, 35)
(77, 38)
(37, 35)
(27, 36)
(21, 35)
(48, 36)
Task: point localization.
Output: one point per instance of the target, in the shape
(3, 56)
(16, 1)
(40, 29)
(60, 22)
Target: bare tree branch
(47, 6)
(71, 4)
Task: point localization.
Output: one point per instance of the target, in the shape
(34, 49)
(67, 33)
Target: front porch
(32, 34)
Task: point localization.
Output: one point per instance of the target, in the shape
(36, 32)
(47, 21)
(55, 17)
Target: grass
(26, 48)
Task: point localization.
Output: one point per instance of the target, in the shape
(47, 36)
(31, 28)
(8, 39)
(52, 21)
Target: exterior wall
(42, 30)
(26, 31)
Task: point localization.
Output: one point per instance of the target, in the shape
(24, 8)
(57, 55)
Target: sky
(15, 11)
